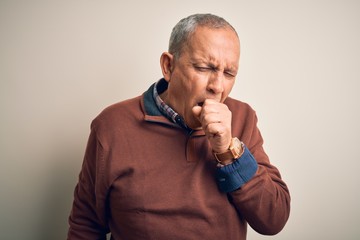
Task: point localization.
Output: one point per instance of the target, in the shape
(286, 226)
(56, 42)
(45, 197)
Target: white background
(62, 62)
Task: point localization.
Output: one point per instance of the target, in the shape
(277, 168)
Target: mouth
(200, 104)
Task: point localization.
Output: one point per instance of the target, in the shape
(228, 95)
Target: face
(205, 69)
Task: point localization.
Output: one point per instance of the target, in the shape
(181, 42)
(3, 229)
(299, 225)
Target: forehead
(214, 43)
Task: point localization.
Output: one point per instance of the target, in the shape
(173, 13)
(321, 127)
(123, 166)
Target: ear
(166, 64)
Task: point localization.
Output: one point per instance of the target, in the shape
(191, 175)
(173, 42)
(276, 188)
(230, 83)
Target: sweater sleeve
(264, 199)
(233, 176)
(87, 218)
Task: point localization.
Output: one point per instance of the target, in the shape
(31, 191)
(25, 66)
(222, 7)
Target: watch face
(234, 152)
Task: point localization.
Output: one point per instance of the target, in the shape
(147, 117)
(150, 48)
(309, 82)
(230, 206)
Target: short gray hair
(187, 26)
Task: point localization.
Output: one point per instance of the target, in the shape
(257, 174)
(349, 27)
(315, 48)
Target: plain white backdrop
(62, 62)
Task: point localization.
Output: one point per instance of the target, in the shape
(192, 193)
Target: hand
(215, 119)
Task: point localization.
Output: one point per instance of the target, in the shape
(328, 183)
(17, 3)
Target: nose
(216, 83)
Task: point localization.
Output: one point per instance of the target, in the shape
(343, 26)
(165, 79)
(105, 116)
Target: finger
(210, 118)
(208, 114)
(211, 101)
(215, 129)
(196, 110)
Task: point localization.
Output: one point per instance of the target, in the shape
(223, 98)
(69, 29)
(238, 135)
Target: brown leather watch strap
(234, 151)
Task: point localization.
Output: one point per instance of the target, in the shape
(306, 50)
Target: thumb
(197, 111)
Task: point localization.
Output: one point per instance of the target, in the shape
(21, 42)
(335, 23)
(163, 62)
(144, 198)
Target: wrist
(234, 151)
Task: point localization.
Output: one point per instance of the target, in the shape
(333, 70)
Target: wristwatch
(234, 151)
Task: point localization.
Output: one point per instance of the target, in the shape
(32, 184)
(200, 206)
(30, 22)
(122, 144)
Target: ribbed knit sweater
(144, 177)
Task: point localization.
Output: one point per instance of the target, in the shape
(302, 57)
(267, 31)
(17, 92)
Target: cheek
(189, 88)
(199, 85)
(229, 86)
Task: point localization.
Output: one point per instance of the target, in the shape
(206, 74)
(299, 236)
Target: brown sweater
(144, 177)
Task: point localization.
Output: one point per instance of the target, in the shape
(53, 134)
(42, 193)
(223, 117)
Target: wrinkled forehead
(223, 39)
(202, 35)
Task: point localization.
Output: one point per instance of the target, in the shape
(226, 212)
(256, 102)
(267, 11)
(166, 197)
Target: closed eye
(229, 74)
(203, 69)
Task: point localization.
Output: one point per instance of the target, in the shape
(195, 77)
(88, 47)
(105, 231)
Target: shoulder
(244, 121)
(118, 113)
(238, 107)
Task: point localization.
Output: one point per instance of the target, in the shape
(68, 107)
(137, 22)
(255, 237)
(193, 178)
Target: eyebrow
(210, 64)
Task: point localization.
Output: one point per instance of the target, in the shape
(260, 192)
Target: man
(184, 160)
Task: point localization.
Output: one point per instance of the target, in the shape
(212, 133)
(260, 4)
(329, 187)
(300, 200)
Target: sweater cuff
(236, 174)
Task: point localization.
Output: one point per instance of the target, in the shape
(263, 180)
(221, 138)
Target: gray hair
(184, 29)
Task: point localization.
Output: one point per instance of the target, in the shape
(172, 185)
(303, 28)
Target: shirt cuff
(233, 176)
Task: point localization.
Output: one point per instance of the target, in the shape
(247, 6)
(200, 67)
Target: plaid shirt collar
(165, 109)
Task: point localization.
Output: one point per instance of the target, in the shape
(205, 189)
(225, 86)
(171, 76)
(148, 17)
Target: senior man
(183, 160)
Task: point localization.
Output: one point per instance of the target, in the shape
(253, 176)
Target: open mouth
(200, 104)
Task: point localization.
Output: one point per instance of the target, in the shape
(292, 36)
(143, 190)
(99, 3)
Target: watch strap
(234, 151)
(221, 157)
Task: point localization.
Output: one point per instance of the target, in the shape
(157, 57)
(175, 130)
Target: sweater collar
(154, 112)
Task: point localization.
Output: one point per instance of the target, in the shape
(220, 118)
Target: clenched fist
(215, 119)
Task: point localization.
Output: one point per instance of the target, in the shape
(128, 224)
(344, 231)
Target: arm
(87, 218)
(261, 196)
(254, 185)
